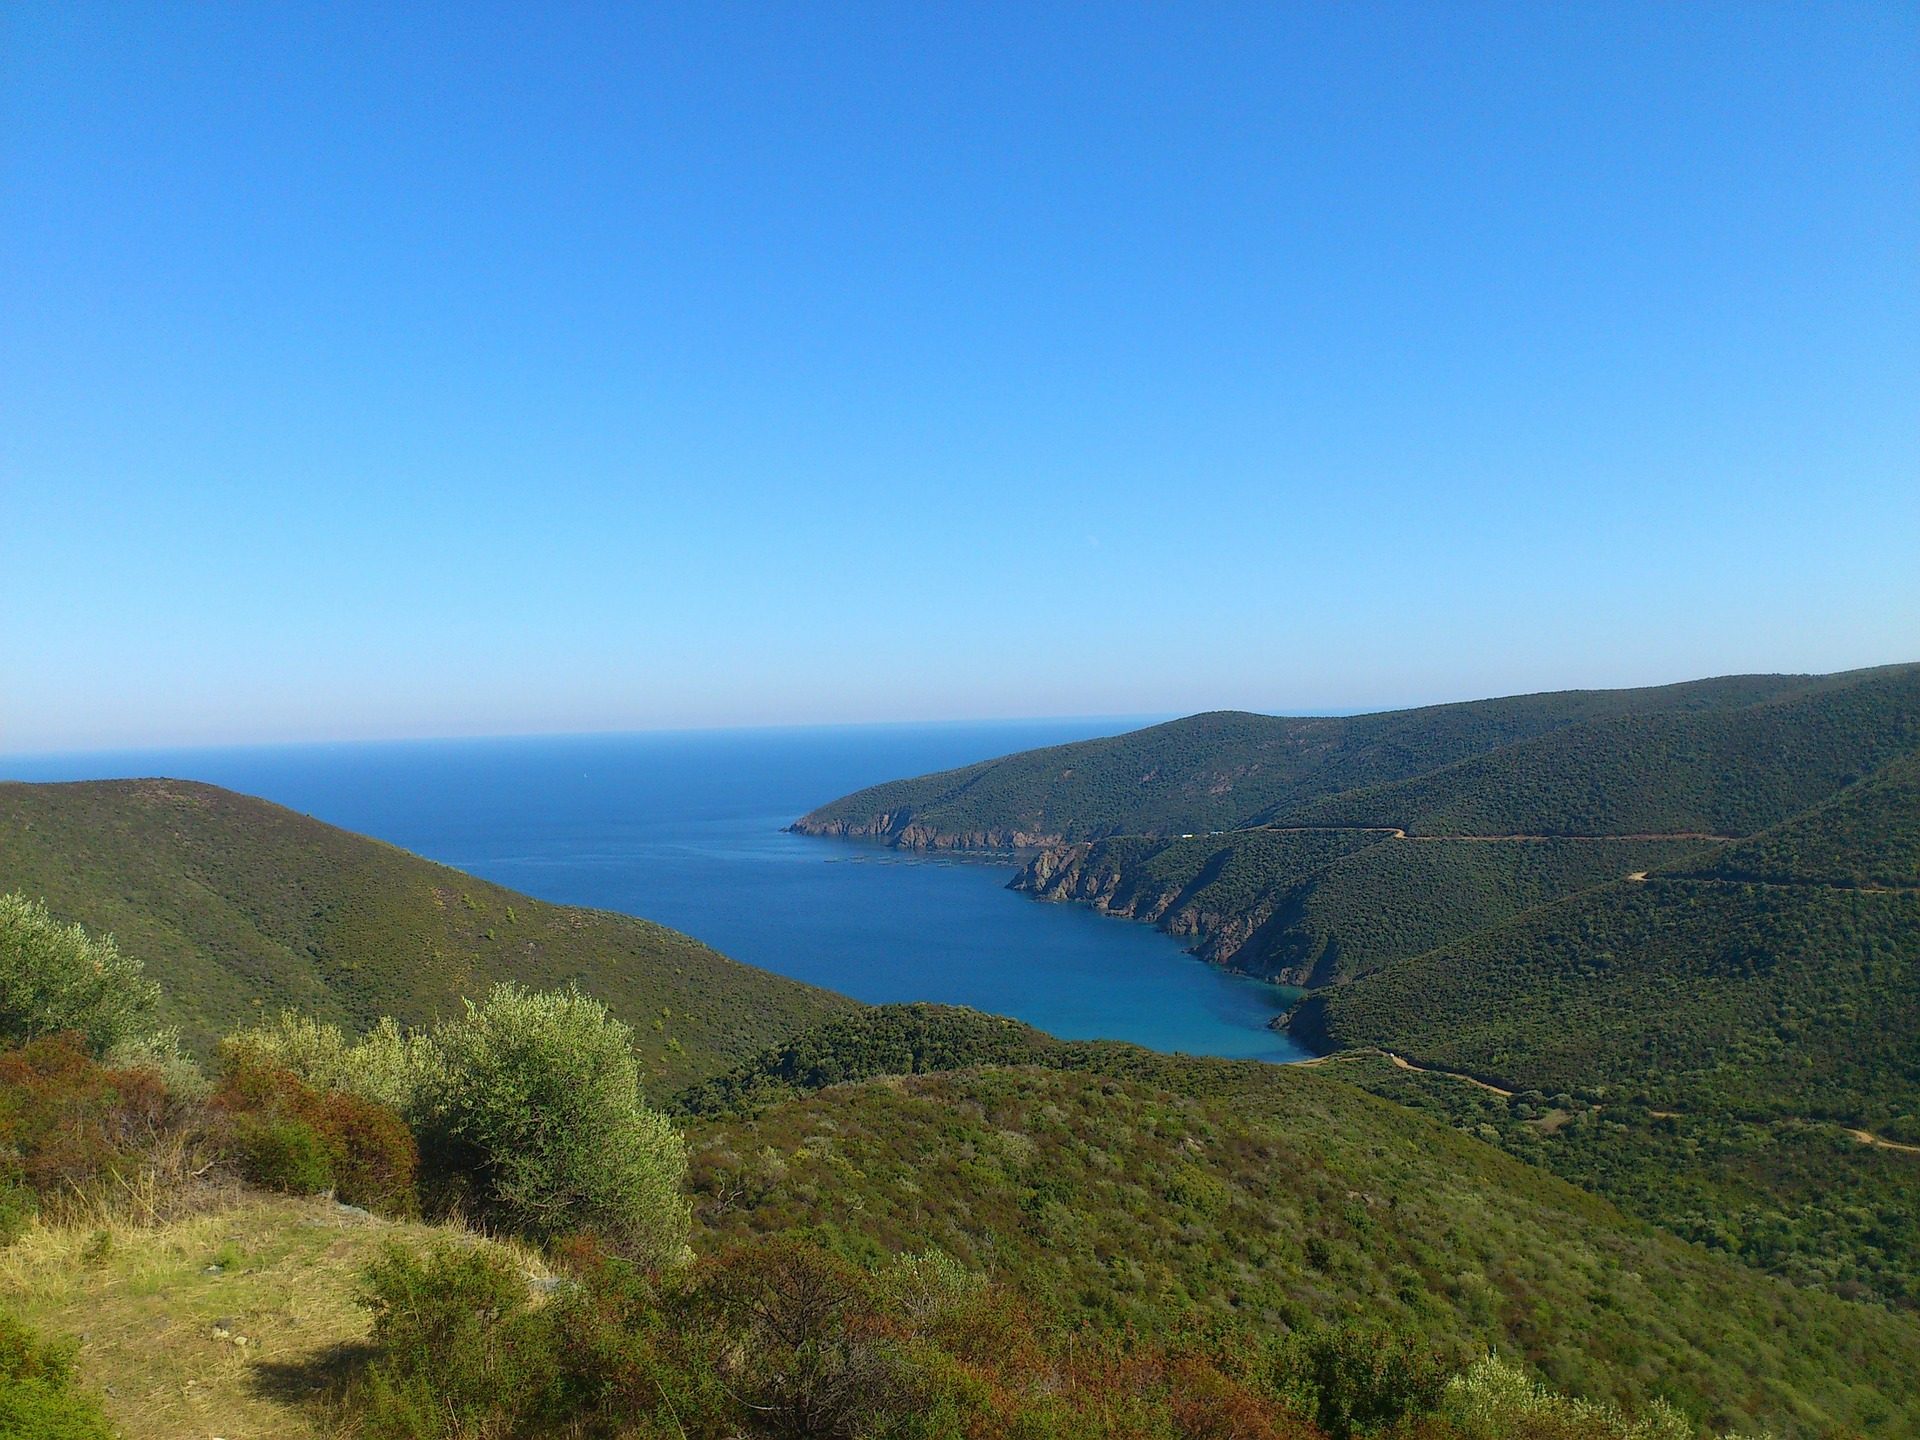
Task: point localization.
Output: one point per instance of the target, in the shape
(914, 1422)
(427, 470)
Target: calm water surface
(685, 829)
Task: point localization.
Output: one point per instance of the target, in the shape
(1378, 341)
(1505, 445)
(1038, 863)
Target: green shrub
(18, 1206)
(460, 1348)
(387, 1065)
(1496, 1400)
(161, 1054)
(537, 1117)
(283, 1154)
(1354, 1379)
(38, 1400)
(56, 978)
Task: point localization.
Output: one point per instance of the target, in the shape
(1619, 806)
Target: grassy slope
(1313, 907)
(1729, 772)
(150, 1316)
(240, 907)
(1229, 769)
(1282, 1194)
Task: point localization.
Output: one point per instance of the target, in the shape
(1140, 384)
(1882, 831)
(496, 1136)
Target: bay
(686, 828)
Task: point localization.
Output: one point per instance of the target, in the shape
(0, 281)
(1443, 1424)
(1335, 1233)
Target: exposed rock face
(1085, 875)
(898, 829)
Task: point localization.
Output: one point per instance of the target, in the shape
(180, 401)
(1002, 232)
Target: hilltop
(241, 908)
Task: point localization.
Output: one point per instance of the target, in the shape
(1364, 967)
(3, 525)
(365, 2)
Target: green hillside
(1867, 836)
(1798, 1199)
(1759, 1000)
(1405, 898)
(1280, 1196)
(1229, 769)
(1725, 772)
(241, 908)
(1312, 907)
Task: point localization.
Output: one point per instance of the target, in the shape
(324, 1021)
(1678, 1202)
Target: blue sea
(686, 828)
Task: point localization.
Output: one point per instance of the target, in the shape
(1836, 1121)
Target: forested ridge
(1230, 769)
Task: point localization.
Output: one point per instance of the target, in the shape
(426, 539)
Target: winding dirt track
(1864, 1137)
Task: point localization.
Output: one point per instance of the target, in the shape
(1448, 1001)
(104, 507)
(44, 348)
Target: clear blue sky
(390, 370)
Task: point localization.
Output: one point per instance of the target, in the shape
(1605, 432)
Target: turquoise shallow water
(685, 829)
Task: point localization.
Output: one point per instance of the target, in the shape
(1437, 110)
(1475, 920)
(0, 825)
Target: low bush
(283, 1154)
(1357, 1380)
(69, 1123)
(386, 1065)
(287, 1135)
(38, 1399)
(781, 1339)
(1497, 1400)
(461, 1346)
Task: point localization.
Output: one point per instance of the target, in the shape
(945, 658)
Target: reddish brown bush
(291, 1136)
(67, 1121)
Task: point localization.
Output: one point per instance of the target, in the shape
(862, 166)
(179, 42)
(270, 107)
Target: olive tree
(537, 1103)
(56, 978)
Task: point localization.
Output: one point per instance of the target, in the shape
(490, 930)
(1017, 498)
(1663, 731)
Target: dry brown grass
(232, 1317)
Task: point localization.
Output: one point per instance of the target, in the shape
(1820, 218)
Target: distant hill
(1332, 888)
(1229, 769)
(1722, 772)
(240, 907)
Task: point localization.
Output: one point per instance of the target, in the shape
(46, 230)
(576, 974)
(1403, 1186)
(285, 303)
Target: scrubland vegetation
(1752, 1000)
(1084, 1240)
(1314, 907)
(1725, 772)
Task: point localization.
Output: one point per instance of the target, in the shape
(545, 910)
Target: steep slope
(240, 908)
(1281, 1195)
(1217, 887)
(1311, 907)
(1230, 769)
(1725, 772)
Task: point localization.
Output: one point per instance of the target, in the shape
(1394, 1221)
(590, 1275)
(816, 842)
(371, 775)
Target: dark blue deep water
(685, 828)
